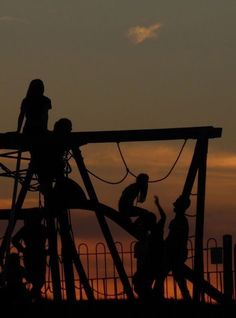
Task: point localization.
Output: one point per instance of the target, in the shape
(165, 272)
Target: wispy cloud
(11, 19)
(139, 34)
(223, 160)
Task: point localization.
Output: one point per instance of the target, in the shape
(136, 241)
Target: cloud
(139, 34)
(10, 19)
(223, 160)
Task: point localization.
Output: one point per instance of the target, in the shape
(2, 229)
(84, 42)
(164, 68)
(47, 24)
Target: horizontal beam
(148, 134)
(13, 140)
(20, 215)
(107, 211)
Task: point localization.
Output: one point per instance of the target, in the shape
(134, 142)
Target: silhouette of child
(49, 159)
(132, 194)
(34, 109)
(149, 253)
(31, 240)
(175, 250)
(16, 291)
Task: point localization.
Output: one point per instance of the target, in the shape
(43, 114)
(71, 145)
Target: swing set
(19, 143)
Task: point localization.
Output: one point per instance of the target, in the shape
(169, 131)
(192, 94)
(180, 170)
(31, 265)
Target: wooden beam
(13, 140)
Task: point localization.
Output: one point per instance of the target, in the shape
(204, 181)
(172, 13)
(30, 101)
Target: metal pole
(234, 271)
(67, 255)
(16, 180)
(199, 230)
(227, 266)
(53, 251)
(103, 224)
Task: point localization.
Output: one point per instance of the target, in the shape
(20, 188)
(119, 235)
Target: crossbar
(13, 140)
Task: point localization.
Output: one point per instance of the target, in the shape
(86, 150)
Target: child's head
(182, 203)
(36, 88)
(142, 178)
(142, 181)
(63, 126)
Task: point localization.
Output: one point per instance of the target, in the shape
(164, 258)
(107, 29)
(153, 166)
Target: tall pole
(103, 224)
(53, 252)
(66, 252)
(228, 268)
(192, 172)
(199, 229)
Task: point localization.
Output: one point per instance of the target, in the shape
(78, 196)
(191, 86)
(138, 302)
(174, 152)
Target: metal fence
(105, 281)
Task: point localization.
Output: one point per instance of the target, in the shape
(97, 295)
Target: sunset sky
(130, 64)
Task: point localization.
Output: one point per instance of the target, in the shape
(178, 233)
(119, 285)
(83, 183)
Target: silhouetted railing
(105, 281)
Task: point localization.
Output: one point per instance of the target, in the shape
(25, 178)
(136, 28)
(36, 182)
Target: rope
(128, 171)
(68, 168)
(113, 182)
(156, 180)
(123, 159)
(173, 166)
(21, 176)
(106, 181)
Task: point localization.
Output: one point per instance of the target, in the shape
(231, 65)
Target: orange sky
(120, 65)
(155, 158)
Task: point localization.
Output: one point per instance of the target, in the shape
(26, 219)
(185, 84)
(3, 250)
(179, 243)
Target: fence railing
(106, 284)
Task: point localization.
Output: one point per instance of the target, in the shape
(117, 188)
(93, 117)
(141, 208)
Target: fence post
(227, 266)
(234, 271)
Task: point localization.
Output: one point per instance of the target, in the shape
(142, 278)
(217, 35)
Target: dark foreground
(121, 309)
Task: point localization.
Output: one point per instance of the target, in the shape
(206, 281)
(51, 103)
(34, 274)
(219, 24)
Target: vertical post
(103, 224)
(53, 251)
(70, 258)
(16, 180)
(234, 271)
(192, 172)
(80, 270)
(67, 255)
(199, 229)
(227, 266)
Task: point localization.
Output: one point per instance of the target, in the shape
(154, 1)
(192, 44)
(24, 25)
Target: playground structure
(19, 143)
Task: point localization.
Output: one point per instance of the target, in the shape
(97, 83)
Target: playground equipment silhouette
(71, 258)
